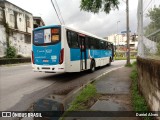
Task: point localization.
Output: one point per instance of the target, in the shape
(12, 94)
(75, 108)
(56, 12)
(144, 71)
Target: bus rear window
(46, 36)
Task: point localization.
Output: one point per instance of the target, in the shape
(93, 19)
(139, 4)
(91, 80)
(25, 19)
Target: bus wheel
(109, 62)
(93, 66)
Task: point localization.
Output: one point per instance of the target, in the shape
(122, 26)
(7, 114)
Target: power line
(56, 12)
(147, 6)
(59, 11)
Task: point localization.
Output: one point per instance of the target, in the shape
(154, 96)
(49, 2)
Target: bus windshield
(46, 36)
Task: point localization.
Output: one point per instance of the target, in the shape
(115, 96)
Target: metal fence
(148, 14)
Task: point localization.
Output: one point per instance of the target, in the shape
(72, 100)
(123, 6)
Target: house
(16, 25)
(38, 22)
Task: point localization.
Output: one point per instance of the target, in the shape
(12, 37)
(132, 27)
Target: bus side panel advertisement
(39, 37)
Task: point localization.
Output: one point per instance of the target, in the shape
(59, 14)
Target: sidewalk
(115, 90)
(115, 95)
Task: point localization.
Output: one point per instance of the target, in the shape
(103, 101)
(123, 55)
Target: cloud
(99, 24)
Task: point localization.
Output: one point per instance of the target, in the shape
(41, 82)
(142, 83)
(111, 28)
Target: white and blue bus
(58, 48)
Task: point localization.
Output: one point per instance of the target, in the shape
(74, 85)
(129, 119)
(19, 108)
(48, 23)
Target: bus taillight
(32, 57)
(61, 57)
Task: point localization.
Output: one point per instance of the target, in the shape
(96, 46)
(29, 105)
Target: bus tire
(92, 66)
(110, 60)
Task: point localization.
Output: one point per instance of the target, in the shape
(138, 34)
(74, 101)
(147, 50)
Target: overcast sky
(99, 24)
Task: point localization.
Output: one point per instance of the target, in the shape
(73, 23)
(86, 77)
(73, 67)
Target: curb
(69, 98)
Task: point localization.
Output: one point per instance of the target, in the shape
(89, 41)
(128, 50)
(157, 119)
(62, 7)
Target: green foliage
(96, 5)
(19, 56)
(124, 58)
(154, 25)
(158, 49)
(10, 52)
(138, 101)
(86, 94)
(128, 65)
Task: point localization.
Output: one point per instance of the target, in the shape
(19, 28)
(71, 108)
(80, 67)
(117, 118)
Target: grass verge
(123, 58)
(138, 101)
(81, 102)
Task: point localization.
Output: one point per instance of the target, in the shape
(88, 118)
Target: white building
(120, 40)
(20, 26)
(117, 39)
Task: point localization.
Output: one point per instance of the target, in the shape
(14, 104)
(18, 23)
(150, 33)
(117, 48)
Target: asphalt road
(20, 86)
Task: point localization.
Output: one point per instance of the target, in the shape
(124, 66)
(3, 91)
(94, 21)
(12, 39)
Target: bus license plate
(45, 60)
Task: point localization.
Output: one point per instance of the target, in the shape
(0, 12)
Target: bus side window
(102, 44)
(109, 46)
(69, 38)
(91, 43)
(87, 42)
(96, 44)
(106, 45)
(72, 38)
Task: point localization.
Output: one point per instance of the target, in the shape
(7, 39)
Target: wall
(20, 18)
(20, 24)
(149, 81)
(18, 41)
(2, 40)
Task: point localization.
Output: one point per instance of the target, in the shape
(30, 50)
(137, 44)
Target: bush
(20, 56)
(10, 52)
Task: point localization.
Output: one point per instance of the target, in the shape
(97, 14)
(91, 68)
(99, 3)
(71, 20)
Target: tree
(154, 15)
(154, 25)
(96, 5)
(107, 5)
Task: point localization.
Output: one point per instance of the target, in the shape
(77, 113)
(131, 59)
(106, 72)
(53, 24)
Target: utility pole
(140, 29)
(127, 21)
(118, 39)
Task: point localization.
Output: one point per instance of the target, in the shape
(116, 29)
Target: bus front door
(83, 57)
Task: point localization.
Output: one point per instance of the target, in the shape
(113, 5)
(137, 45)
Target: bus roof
(85, 33)
(45, 27)
(80, 31)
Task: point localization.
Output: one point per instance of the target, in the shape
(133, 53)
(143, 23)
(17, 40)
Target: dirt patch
(64, 91)
(90, 102)
(119, 99)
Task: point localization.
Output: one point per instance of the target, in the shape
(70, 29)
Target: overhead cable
(59, 11)
(56, 12)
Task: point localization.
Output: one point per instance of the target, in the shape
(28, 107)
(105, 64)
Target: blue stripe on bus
(75, 54)
(100, 53)
(47, 55)
(45, 27)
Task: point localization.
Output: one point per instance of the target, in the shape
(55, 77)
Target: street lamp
(118, 37)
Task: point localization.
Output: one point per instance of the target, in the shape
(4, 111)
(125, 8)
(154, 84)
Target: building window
(1, 14)
(11, 18)
(28, 39)
(28, 24)
(20, 19)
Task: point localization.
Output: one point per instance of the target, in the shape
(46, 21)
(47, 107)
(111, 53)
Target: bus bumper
(49, 69)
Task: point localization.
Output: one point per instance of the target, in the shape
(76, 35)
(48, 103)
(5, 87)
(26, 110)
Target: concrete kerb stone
(71, 96)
